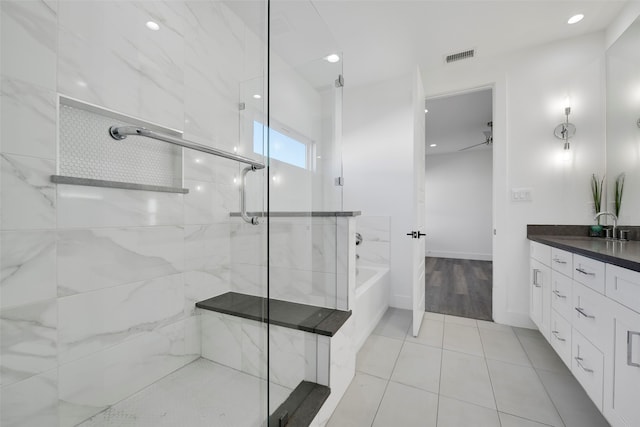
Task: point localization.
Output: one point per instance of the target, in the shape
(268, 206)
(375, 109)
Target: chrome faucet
(615, 220)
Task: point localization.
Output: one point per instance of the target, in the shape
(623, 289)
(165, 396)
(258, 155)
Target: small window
(282, 147)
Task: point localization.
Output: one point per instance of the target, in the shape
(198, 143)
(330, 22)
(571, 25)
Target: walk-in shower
(173, 245)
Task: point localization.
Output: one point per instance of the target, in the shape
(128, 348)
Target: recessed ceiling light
(152, 25)
(257, 96)
(433, 145)
(575, 18)
(426, 111)
(332, 58)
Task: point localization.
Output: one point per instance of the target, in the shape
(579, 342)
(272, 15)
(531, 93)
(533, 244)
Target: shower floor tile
(203, 393)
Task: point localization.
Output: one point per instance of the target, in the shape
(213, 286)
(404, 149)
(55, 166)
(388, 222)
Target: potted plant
(596, 193)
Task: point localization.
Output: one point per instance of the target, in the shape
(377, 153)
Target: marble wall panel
(91, 259)
(29, 26)
(221, 338)
(91, 384)
(94, 321)
(28, 196)
(28, 341)
(27, 267)
(214, 62)
(108, 57)
(32, 402)
(29, 119)
(86, 207)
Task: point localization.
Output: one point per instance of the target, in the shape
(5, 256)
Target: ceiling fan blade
(475, 145)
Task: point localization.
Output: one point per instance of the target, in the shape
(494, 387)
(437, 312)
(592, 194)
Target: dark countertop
(308, 318)
(621, 253)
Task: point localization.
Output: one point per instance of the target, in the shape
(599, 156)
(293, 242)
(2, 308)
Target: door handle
(415, 234)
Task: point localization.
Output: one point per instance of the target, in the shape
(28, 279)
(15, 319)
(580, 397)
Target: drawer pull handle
(555, 334)
(535, 278)
(581, 311)
(579, 362)
(558, 294)
(630, 362)
(580, 270)
(559, 261)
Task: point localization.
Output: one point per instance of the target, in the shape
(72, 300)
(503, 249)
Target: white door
(419, 219)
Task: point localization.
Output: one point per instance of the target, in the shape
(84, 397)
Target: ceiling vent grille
(460, 56)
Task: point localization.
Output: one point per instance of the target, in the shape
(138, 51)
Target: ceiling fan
(488, 134)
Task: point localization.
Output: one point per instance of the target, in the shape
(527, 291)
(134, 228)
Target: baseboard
(460, 255)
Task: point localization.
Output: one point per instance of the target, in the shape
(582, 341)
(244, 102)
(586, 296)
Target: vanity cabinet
(622, 404)
(589, 311)
(540, 287)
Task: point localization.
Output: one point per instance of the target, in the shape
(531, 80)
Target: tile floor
(461, 372)
(201, 394)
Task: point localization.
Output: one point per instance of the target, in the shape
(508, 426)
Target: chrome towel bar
(121, 132)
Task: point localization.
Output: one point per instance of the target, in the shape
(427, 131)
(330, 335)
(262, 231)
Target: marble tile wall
(98, 285)
(376, 243)
(293, 354)
(302, 258)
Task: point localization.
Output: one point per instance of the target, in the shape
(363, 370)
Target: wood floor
(459, 287)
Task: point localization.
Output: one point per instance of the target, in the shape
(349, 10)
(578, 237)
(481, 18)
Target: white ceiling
(383, 39)
(456, 122)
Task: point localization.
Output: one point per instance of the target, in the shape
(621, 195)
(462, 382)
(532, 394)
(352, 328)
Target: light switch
(521, 194)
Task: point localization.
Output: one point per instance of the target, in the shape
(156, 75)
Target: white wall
(529, 87)
(378, 167)
(459, 205)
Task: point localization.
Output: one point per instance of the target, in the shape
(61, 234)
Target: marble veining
(34, 23)
(91, 384)
(28, 197)
(91, 259)
(146, 69)
(29, 336)
(93, 321)
(27, 267)
(25, 106)
(32, 402)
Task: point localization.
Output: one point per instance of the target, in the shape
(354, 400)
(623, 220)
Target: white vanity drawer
(623, 285)
(561, 300)
(540, 252)
(591, 315)
(562, 261)
(587, 365)
(589, 272)
(560, 337)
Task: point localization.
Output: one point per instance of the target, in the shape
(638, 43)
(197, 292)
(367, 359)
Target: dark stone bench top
(301, 407)
(308, 318)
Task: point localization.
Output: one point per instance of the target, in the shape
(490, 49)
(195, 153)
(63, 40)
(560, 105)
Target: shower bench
(304, 341)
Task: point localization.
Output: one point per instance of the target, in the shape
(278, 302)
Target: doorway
(459, 204)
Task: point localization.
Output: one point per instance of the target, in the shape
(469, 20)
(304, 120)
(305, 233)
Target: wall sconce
(565, 130)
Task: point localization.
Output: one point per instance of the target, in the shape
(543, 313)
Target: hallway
(459, 287)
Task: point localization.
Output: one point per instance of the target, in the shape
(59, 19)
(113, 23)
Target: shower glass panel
(99, 285)
(303, 132)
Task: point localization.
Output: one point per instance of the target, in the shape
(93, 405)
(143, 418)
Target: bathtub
(372, 300)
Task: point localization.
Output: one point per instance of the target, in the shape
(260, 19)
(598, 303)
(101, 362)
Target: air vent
(460, 56)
